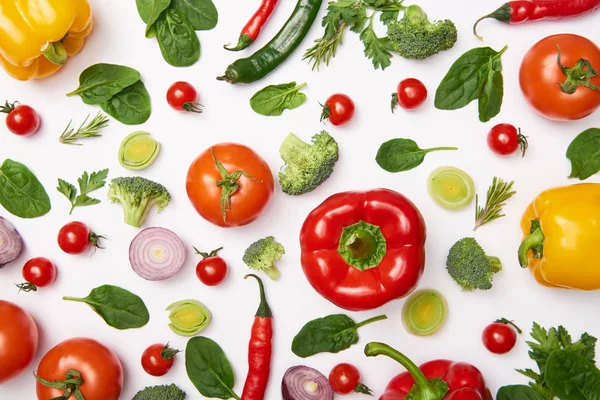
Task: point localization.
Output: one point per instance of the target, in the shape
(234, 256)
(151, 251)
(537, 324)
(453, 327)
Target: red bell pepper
(434, 380)
(363, 249)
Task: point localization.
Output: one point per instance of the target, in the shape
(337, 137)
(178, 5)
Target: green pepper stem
(263, 309)
(535, 239)
(381, 349)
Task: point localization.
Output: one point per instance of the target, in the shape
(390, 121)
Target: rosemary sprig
(91, 130)
(497, 194)
(325, 48)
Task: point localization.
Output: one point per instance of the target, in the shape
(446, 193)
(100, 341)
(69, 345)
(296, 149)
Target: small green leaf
(67, 189)
(150, 10)
(571, 376)
(202, 14)
(584, 154)
(518, 392)
(178, 42)
(379, 50)
(491, 90)
(100, 82)
(85, 200)
(274, 99)
(209, 369)
(130, 106)
(398, 155)
(21, 193)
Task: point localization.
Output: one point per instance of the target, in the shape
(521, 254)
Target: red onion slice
(305, 383)
(156, 254)
(11, 243)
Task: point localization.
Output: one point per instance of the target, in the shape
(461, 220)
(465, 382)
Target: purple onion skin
(313, 375)
(6, 259)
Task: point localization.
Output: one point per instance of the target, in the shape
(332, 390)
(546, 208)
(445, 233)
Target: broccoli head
(414, 37)
(470, 267)
(160, 392)
(137, 195)
(262, 254)
(307, 165)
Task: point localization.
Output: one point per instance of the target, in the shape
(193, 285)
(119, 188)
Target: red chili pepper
(434, 380)
(259, 349)
(516, 12)
(253, 27)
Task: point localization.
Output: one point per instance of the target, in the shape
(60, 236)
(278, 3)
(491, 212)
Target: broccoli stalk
(262, 254)
(160, 392)
(414, 37)
(307, 165)
(137, 196)
(470, 267)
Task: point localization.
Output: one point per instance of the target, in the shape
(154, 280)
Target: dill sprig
(497, 194)
(91, 130)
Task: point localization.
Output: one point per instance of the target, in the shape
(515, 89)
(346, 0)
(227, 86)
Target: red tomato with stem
(19, 339)
(22, 120)
(338, 109)
(212, 269)
(505, 139)
(183, 97)
(345, 378)
(410, 94)
(38, 272)
(75, 238)
(500, 337)
(158, 359)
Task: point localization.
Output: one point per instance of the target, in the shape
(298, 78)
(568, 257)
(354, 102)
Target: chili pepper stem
(263, 309)
(243, 42)
(502, 14)
(535, 239)
(371, 320)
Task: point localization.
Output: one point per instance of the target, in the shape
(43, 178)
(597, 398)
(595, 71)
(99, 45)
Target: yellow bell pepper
(562, 237)
(36, 36)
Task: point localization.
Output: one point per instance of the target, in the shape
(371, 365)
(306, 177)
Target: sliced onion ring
(156, 254)
(305, 383)
(11, 243)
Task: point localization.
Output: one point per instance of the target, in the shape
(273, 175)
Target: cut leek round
(138, 150)
(451, 188)
(424, 312)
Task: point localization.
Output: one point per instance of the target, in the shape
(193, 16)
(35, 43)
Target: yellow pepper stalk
(37, 36)
(562, 237)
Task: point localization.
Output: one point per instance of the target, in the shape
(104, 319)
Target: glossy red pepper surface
(368, 286)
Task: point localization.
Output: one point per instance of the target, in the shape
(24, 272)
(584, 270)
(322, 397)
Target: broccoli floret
(307, 165)
(262, 254)
(137, 195)
(160, 392)
(470, 267)
(414, 37)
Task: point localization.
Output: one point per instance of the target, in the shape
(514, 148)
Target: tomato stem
(508, 322)
(207, 255)
(580, 75)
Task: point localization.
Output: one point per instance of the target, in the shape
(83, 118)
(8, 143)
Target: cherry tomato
(158, 359)
(410, 94)
(253, 189)
(505, 139)
(212, 269)
(466, 393)
(75, 238)
(22, 120)
(338, 108)
(344, 378)
(542, 78)
(19, 340)
(38, 272)
(183, 97)
(100, 369)
(500, 337)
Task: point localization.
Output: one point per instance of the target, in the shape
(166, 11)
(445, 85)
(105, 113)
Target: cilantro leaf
(67, 189)
(93, 182)
(379, 50)
(87, 183)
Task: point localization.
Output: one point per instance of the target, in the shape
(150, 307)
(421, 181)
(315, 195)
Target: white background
(118, 37)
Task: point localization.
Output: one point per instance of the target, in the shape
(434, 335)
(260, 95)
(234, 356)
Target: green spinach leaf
(584, 154)
(274, 99)
(491, 90)
(571, 376)
(131, 106)
(150, 10)
(518, 392)
(398, 155)
(209, 369)
(100, 82)
(21, 193)
(202, 14)
(331, 334)
(178, 42)
(120, 308)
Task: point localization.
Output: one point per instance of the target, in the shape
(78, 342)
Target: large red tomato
(547, 86)
(229, 184)
(100, 369)
(18, 340)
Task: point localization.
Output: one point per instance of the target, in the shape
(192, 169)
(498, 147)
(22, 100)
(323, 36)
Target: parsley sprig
(87, 183)
(497, 194)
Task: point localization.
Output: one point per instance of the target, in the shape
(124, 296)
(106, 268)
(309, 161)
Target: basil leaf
(202, 14)
(209, 369)
(178, 42)
(150, 10)
(120, 308)
(100, 82)
(491, 90)
(571, 376)
(584, 154)
(331, 334)
(274, 99)
(21, 193)
(131, 106)
(518, 392)
(398, 155)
